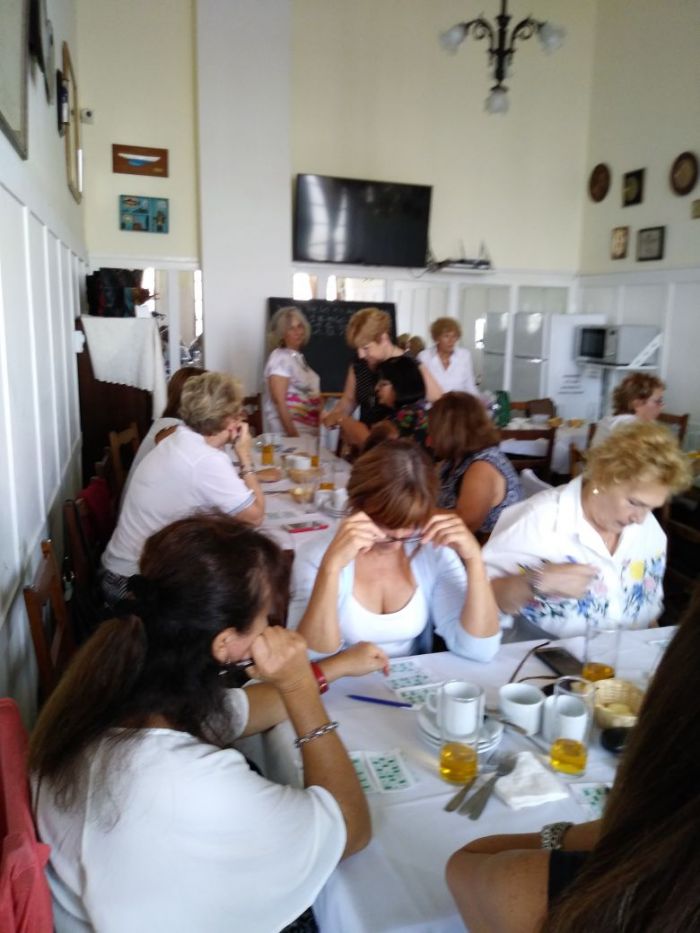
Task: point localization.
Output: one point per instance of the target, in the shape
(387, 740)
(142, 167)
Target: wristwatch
(552, 835)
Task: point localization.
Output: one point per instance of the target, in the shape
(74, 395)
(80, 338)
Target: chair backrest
(541, 464)
(577, 460)
(591, 431)
(679, 422)
(520, 406)
(123, 446)
(252, 406)
(49, 621)
(531, 483)
(25, 899)
(541, 406)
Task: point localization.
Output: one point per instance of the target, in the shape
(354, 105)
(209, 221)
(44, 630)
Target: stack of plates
(328, 509)
(490, 736)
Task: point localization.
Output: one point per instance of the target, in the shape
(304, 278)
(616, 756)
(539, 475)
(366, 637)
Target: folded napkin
(529, 784)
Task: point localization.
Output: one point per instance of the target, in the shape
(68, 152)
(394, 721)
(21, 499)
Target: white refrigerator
(544, 361)
(494, 356)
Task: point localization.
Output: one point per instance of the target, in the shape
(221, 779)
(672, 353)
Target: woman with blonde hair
(639, 397)
(476, 479)
(292, 396)
(395, 570)
(450, 365)
(591, 549)
(186, 472)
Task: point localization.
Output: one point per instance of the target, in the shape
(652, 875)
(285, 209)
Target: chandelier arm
(525, 29)
(480, 29)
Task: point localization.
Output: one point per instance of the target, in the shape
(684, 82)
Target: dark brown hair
(200, 575)
(642, 874)
(395, 484)
(175, 384)
(635, 387)
(458, 425)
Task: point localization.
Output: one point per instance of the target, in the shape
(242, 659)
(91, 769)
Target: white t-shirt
(607, 425)
(459, 374)
(551, 526)
(148, 444)
(441, 579)
(181, 475)
(303, 394)
(394, 632)
(201, 843)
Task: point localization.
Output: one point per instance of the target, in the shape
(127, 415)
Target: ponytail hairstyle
(199, 576)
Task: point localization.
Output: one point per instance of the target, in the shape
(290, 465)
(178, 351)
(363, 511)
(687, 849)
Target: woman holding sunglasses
(395, 571)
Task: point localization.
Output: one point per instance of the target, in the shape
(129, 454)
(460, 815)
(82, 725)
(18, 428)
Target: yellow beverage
(314, 461)
(568, 756)
(593, 670)
(268, 455)
(458, 763)
(326, 484)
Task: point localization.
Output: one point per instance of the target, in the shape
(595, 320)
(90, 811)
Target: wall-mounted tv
(347, 220)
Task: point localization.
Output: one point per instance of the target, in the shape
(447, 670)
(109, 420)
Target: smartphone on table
(296, 527)
(559, 660)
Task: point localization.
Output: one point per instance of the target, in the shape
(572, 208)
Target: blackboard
(327, 352)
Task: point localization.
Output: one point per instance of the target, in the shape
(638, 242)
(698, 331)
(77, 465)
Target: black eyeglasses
(415, 538)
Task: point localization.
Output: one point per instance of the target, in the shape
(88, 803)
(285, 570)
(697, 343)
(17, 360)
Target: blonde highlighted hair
(643, 452)
(367, 326)
(281, 321)
(208, 401)
(395, 484)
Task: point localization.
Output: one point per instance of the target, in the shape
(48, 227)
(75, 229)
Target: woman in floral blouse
(592, 548)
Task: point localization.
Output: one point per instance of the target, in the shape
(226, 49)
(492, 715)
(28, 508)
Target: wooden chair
(577, 460)
(49, 622)
(123, 446)
(531, 483)
(678, 423)
(252, 406)
(541, 406)
(520, 407)
(541, 465)
(591, 431)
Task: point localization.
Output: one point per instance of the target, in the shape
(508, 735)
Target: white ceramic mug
(565, 718)
(458, 707)
(522, 705)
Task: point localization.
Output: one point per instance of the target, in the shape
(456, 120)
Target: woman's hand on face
(566, 580)
(354, 536)
(280, 658)
(362, 658)
(446, 529)
(242, 440)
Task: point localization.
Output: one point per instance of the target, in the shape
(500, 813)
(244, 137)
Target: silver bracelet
(245, 471)
(316, 733)
(552, 835)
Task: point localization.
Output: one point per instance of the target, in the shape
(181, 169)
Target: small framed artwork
(146, 215)
(14, 45)
(139, 160)
(650, 243)
(633, 187)
(619, 241)
(70, 111)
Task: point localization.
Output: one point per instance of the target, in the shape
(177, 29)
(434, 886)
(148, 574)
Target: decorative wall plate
(599, 182)
(684, 173)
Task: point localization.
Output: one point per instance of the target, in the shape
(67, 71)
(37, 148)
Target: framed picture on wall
(619, 241)
(14, 50)
(143, 214)
(650, 243)
(633, 187)
(71, 109)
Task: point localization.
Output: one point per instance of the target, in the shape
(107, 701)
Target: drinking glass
(459, 711)
(602, 648)
(568, 724)
(269, 447)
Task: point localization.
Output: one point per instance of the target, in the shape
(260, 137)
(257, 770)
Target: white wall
(243, 51)
(137, 74)
(41, 274)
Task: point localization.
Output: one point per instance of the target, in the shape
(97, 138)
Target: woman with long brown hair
(642, 868)
(155, 821)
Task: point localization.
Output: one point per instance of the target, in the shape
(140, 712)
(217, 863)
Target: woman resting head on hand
(395, 571)
(146, 805)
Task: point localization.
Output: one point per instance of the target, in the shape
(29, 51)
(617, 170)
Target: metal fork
(474, 807)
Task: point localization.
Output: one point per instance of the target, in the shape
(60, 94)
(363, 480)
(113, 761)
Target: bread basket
(611, 696)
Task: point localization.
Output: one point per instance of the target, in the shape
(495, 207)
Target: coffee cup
(522, 705)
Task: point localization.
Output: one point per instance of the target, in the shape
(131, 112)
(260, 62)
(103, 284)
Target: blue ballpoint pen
(364, 699)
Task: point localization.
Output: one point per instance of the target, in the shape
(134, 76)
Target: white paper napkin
(529, 784)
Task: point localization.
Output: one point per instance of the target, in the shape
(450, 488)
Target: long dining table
(396, 884)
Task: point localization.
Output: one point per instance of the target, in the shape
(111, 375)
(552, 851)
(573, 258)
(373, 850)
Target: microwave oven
(616, 345)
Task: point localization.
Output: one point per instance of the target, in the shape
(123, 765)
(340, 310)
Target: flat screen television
(347, 220)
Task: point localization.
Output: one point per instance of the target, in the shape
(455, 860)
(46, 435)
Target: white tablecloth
(563, 437)
(397, 883)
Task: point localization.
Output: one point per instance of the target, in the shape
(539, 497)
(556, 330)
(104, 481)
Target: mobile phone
(296, 527)
(561, 661)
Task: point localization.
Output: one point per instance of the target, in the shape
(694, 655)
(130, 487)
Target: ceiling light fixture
(502, 47)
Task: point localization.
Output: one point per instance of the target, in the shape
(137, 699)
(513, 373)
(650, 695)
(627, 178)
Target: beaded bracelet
(245, 471)
(316, 733)
(320, 677)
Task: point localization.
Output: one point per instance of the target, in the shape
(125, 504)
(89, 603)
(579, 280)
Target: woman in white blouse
(639, 397)
(395, 571)
(591, 549)
(292, 397)
(450, 365)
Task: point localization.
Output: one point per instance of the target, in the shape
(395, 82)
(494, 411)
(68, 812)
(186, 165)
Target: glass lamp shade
(497, 101)
(453, 37)
(551, 37)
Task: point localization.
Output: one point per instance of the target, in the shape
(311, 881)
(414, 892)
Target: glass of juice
(602, 648)
(458, 707)
(568, 720)
(267, 457)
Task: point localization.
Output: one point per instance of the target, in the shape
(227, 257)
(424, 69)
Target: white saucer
(334, 513)
(489, 737)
